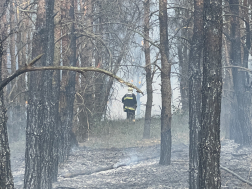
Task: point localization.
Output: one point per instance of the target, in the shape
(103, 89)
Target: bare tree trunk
(240, 129)
(12, 129)
(12, 41)
(42, 113)
(165, 152)
(195, 79)
(227, 88)
(209, 135)
(99, 79)
(247, 45)
(184, 56)
(56, 95)
(22, 56)
(6, 178)
(147, 121)
(86, 109)
(64, 10)
(67, 111)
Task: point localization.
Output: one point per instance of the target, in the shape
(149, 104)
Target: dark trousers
(130, 114)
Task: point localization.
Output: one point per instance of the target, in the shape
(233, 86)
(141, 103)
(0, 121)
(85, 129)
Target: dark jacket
(129, 101)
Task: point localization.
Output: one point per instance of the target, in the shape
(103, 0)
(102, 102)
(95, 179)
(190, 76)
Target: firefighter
(130, 104)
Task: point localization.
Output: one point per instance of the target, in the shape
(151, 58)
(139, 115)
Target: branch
(28, 11)
(82, 70)
(142, 35)
(171, 8)
(18, 72)
(243, 68)
(93, 36)
(6, 36)
(129, 28)
(235, 16)
(226, 169)
(158, 67)
(35, 60)
(125, 162)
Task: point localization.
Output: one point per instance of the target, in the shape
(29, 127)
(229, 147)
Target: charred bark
(67, 111)
(209, 135)
(195, 79)
(6, 178)
(42, 113)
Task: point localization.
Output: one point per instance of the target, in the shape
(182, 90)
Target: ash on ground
(139, 167)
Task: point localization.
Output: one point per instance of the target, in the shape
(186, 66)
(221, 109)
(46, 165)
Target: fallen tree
(233, 173)
(122, 163)
(128, 161)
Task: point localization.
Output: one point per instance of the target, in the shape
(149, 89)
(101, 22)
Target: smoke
(132, 159)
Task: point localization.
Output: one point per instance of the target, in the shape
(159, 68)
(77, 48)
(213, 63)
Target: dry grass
(123, 134)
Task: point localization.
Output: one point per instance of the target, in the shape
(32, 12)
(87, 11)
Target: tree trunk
(184, 57)
(42, 113)
(165, 153)
(195, 79)
(67, 111)
(87, 89)
(100, 79)
(240, 129)
(64, 9)
(209, 135)
(147, 121)
(56, 94)
(6, 179)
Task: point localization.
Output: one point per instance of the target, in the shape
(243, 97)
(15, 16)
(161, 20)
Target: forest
(66, 64)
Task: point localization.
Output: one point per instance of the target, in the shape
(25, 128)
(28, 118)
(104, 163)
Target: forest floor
(122, 159)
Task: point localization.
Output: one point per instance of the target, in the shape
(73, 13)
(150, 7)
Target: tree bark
(166, 93)
(6, 178)
(56, 95)
(147, 120)
(195, 79)
(87, 89)
(67, 111)
(209, 135)
(42, 113)
(183, 55)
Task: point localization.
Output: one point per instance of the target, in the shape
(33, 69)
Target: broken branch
(82, 70)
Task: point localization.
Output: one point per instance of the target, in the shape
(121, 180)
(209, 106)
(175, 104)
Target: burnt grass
(115, 156)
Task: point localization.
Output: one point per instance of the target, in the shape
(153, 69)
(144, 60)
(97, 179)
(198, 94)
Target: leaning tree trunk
(195, 79)
(165, 152)
(147, 121)
(209, 135)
